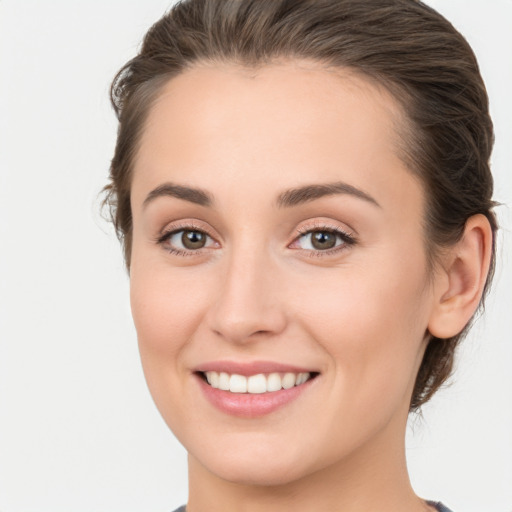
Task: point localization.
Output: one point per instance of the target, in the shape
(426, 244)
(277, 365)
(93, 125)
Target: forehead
(286, 124)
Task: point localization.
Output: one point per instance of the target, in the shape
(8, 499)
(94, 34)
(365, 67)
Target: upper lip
(248, 368)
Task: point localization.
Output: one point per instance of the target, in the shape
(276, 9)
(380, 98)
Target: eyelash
(346, 239)
(163, 239)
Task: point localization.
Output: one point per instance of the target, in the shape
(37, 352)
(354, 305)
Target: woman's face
(276, 231)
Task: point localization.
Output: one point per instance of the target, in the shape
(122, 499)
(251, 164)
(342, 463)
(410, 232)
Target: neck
(373, 477)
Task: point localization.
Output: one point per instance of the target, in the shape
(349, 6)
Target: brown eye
(323, 240)
(187, 240)
(193, 239)
(319, 240)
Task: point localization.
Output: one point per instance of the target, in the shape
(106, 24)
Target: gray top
(438, 506)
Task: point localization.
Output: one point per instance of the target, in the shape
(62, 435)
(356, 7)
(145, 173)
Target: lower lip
(249, 405)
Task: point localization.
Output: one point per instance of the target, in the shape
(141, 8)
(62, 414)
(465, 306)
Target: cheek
(371, 323)
(167, 305)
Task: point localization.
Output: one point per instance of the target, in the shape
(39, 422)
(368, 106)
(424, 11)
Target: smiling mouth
(255, 384)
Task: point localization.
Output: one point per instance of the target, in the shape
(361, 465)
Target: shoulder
(182, 509)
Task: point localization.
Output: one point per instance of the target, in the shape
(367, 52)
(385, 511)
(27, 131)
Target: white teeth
(213, 379)
(238, 384)
(255, 384)
(288, 380)
(223, 381)
(274, 382)
(301, 378)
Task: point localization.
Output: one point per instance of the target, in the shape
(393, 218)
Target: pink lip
(248, 405)
(250, 368)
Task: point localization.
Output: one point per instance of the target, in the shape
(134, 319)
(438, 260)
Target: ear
(460, 282)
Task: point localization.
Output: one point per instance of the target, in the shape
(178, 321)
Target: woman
(304, 197)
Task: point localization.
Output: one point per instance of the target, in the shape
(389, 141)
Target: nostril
(261, 333)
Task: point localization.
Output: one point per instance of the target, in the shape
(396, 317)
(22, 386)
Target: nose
(248, 305)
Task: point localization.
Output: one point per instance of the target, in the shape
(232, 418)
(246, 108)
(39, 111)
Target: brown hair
(402, 44)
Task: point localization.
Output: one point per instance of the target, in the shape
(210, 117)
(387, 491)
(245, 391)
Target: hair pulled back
(401, 44)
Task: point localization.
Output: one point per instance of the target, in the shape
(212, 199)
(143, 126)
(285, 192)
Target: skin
(257, 291)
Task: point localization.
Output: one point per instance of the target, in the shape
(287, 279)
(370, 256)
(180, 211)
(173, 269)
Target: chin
(256, 472)
(250, 459)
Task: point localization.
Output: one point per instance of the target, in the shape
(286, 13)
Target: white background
(78, 430)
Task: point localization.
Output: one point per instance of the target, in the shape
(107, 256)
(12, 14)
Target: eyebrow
(287, 199)
(193, 195)
(300, 195)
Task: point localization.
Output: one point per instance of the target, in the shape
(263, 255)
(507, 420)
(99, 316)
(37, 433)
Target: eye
(323, 240)
(186, 240)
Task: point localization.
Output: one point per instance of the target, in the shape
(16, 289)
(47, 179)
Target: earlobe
(460, 287)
